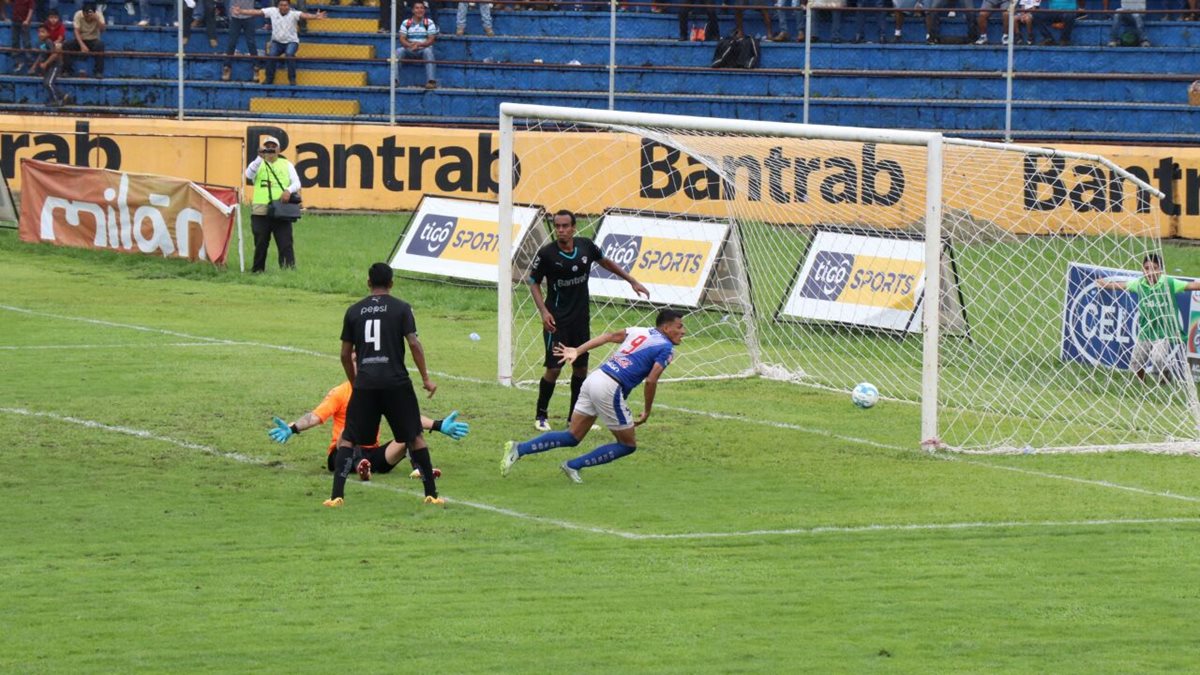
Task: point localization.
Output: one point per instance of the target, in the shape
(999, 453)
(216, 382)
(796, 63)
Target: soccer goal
(957, 276)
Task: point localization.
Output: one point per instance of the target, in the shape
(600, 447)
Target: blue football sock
(547, 441)
(602, 455)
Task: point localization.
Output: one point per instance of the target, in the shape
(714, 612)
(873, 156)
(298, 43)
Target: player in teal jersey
(1159, 329)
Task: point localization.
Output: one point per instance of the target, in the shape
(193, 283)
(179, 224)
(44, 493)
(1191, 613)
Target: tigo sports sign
(861, 279)
(672, 257)
(458, 238)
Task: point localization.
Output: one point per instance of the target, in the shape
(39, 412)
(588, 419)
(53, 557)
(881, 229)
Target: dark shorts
(397, 404)
(567, 335)
(376, 456)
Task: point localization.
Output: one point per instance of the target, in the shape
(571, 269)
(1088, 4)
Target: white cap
(262, 142)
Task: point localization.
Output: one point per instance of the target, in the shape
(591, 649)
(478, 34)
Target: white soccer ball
(864, 395)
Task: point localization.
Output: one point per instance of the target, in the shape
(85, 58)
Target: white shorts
(1156, 356)
(601, 397)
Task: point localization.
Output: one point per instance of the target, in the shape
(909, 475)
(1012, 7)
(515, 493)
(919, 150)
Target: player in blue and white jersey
(642, 357)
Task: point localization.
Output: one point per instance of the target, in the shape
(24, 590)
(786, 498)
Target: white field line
(711, 415)
(635, 536)
(135, 345)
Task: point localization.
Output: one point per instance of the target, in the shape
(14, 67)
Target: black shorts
(567, 335)
(397, 404)
(376, 456)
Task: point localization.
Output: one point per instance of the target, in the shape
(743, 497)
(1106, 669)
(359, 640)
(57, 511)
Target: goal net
(808, 254)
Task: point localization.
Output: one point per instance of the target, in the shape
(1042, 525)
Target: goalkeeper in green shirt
(1159, 329)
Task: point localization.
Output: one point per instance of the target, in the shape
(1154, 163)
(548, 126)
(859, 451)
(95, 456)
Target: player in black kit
(565, 264)
(374, 331)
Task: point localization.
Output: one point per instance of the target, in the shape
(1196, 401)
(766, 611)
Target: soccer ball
(864, 395)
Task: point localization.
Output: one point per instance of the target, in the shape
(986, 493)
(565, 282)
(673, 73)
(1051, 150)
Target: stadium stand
(1086, 91)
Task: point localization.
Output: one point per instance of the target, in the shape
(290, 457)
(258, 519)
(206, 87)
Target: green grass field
(149, 524)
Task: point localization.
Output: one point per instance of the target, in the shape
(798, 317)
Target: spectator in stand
(831, 11)
(196, 13)
(22, 43)
(986, 7)
(485, 13)
(860, 22)
(783, 13)
(712, 27)
(737, 15)
(712, 30)
(1132, 12)
(1024, 20)
(385, 16)
(284, 37)
(1059, 10)
(55, 27)
(901, 7)
(88, 26)
(243, 26)
(49, 62)
(417, 35)
(143, 11)
(933, 20)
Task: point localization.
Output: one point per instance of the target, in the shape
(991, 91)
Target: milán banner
(128, 212)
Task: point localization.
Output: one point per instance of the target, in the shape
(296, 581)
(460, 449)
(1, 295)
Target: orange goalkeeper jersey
(334, 405)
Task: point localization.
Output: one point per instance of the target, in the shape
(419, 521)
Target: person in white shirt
(285, 38)
(417, 35)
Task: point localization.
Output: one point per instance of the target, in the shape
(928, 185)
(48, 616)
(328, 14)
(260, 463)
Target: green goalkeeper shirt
(1158, 314)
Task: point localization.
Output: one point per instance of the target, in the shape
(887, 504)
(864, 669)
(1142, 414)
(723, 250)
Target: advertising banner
(8, 210)
(132, 213)
(367, 166)
(859, 279)
(1100, 326)
(459, 238)
(672, 257)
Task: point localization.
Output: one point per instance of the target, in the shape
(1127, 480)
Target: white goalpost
(957, 276)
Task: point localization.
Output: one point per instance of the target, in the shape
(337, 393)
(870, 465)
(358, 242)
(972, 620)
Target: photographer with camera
(276, 204)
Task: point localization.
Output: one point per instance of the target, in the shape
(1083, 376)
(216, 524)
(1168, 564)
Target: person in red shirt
(375, 459)
(22, 20)
(55, 27)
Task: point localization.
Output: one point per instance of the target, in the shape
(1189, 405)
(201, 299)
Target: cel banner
(127, 212)
(671, 256)
(459, 238)
(1099, 327)
(859, 279)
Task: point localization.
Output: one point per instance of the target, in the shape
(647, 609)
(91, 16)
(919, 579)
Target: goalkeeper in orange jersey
(375, 459)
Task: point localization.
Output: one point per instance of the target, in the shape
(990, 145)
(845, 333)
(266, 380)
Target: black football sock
(576, 385)
(343, 464)
(425, 464)
(545, 391)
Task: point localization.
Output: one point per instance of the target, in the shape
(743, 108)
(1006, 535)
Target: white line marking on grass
(1073, 479)
(258, 461)
(635, 536)
(919, 527)
(786, 425)
(214, 341)
(137, 345)
(713, 415)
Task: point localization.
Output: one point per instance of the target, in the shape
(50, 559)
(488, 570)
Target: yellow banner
(475, 241)
(377, 167)
(676, 262)
(883, 282)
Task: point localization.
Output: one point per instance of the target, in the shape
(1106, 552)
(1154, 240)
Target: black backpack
(736, 51)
